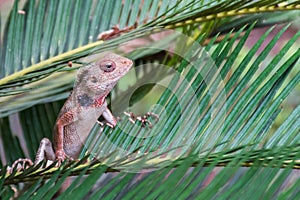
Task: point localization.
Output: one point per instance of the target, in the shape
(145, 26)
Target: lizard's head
(101, 76)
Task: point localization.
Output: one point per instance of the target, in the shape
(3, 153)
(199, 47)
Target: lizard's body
(77, 131)
(82, 109)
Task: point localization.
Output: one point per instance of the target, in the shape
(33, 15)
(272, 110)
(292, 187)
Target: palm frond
(38, 59)
(244, 124)
(213, 138)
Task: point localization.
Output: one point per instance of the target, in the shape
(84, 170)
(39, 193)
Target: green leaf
(215, 137)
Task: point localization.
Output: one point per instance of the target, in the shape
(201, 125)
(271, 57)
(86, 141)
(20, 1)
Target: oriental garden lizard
(82, 109)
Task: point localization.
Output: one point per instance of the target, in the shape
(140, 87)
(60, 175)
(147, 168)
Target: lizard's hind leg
(45, 151)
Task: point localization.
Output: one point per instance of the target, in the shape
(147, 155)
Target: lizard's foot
(20, 165)
(102, 124)
(112, 124)
(144, 119)
(61, 156)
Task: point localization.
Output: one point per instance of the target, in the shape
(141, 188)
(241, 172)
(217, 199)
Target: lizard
(81, 110)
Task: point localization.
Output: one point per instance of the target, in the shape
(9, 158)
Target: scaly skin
(82, 109)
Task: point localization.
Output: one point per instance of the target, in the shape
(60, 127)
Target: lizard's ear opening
(80, 75)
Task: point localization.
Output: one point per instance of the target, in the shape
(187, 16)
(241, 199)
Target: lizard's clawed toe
(20, 165)
(103, 124)
(61, 156)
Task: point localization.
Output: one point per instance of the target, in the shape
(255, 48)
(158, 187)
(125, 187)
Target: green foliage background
(238, 151)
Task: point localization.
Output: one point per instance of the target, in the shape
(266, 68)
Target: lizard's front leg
(45, 151)
(110, 119)
(64, 120)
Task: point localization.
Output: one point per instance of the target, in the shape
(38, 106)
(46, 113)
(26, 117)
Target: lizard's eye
(108, 66)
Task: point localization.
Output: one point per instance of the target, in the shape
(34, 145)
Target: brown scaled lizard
(82, 109)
